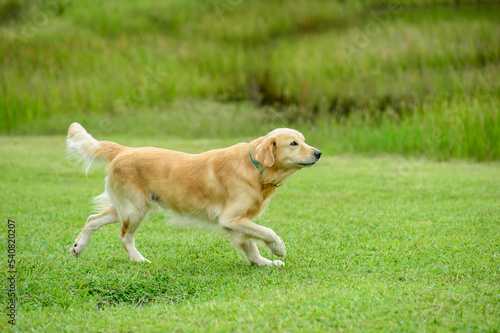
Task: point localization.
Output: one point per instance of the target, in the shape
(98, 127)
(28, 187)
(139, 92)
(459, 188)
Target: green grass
(460, 128)
(343, 64)
(374, 244)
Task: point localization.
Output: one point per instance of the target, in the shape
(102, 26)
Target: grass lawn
(374, 244)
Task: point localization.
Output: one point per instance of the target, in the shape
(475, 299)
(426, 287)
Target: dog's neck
(261, 170)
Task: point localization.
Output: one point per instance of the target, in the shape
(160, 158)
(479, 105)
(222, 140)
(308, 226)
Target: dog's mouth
(305, 165)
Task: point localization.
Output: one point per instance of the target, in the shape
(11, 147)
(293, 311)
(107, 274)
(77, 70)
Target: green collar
(257, 165)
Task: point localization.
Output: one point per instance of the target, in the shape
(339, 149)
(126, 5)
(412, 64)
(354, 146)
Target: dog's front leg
(248, 246)
(245, 226)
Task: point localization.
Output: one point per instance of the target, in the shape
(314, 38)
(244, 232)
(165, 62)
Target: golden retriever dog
(223, 188)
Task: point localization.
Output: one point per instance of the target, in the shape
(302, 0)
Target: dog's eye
(294, 143)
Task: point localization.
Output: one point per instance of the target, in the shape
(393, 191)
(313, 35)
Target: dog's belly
(208, 220)
(209, 214)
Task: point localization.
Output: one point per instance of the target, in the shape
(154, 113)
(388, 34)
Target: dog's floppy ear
(265, 152)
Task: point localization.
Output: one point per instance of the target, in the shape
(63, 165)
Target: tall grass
(360, 66)
(444, 130)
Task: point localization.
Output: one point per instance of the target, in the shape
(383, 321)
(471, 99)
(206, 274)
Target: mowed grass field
(374, 244)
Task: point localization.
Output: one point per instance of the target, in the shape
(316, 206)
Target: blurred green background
(370, 76)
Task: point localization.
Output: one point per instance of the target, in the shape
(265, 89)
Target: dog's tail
(83, 146)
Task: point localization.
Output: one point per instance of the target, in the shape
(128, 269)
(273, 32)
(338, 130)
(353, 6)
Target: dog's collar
(257, 165)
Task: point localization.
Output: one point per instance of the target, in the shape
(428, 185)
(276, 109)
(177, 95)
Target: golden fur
(222, 187)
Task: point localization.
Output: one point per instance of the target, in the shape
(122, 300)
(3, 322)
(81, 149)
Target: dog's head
(286, 149)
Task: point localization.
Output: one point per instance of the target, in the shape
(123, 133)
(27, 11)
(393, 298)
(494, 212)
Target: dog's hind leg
(94, 222)
(132, 204)
(132, 209)
(130, 224)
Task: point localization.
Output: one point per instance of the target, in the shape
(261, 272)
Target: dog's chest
(259, 204)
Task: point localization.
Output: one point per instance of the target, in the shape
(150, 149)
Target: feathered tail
(83, 146)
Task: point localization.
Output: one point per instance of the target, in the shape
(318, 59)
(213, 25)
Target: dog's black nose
(317, 154)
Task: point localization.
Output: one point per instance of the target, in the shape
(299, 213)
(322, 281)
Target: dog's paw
(75, 250)
(278, 263)
(140, 259)
(278, 248)
(263, 262)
